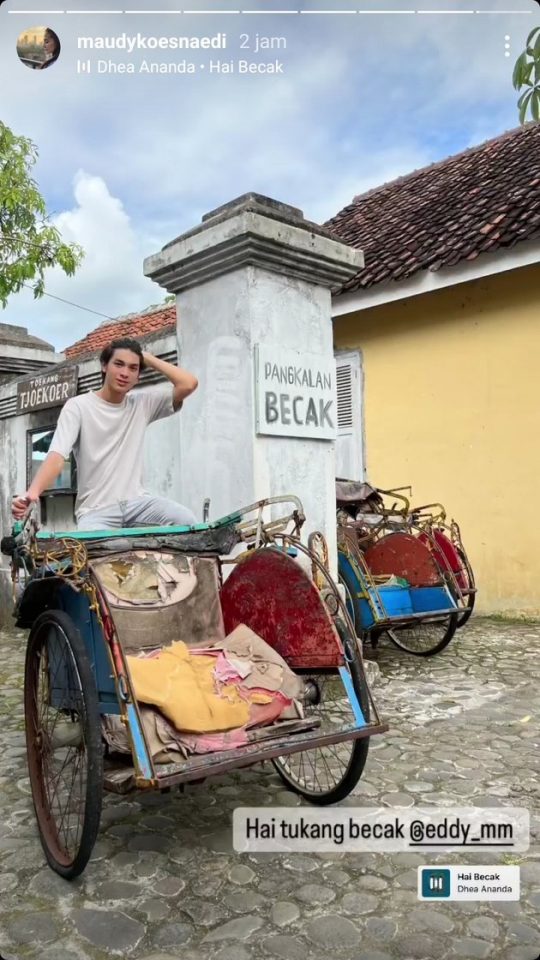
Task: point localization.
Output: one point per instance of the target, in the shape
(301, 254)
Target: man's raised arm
(184, 383)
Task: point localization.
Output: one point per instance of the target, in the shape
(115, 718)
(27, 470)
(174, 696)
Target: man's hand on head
(184, 383)
(149, 360)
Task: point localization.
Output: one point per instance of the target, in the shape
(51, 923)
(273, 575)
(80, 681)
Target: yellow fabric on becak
(256, 697)
(183, 688)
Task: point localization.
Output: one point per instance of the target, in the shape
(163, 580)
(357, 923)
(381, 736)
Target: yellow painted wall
(452, 408)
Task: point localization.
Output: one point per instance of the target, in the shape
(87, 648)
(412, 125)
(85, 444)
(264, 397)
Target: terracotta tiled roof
(479, 201)
(139, 325)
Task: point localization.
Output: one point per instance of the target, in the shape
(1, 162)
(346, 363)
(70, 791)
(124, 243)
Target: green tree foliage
(29, 244)
(527, 74)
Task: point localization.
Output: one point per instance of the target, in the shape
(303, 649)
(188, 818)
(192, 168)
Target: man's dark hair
(123, 343)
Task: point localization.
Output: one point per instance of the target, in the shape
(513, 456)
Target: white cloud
(109, 280)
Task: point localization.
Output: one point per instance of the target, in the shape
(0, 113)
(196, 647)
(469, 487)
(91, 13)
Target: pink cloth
(224, 671)
(211, 742)
(261, 714)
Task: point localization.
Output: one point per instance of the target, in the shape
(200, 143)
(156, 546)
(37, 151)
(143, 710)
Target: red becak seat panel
(271, 593)
(402, 555)
(450, 557)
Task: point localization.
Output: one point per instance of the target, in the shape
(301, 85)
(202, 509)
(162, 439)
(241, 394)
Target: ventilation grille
(344, 396)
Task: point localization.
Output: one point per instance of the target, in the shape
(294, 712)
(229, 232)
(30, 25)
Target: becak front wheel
(63, 740)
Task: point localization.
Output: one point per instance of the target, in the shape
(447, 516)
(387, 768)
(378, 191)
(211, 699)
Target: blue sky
(127, 162)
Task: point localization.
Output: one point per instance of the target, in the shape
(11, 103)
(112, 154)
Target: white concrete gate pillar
(253, 285)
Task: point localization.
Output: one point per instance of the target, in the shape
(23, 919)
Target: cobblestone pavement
(165, 882)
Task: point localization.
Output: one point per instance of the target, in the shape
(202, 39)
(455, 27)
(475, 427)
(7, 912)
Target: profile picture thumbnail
(38, 48)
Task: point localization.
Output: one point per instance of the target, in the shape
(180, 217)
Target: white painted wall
(222, 458)
(161, 462)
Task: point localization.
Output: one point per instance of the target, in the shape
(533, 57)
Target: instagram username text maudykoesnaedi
(255, 43)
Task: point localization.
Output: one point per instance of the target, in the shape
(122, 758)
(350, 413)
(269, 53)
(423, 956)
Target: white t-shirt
(107, 441)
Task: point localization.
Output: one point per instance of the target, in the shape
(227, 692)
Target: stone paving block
(108, 929)
(285, 948)
(470, 948)
(332, 932)
(34, 928)
(238, 929)
(284, 913)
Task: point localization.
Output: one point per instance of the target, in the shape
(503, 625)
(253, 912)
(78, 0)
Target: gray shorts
(144, 511)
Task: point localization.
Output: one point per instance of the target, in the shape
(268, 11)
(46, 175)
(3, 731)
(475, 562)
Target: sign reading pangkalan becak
(295, 394)
(49, 390)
